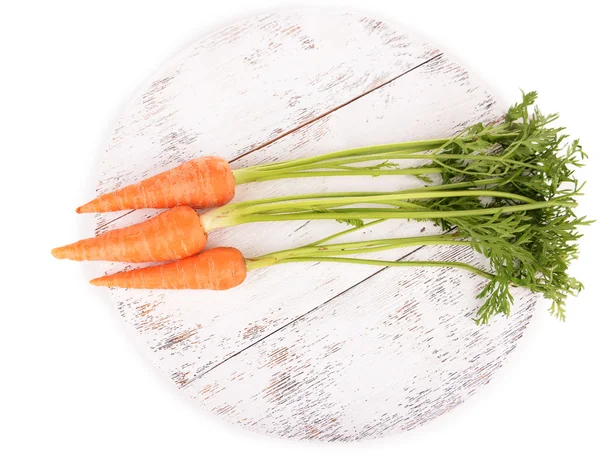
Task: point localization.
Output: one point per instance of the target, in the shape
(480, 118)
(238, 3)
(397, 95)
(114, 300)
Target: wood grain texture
(250, 83)
(388, 355)
(317, 351)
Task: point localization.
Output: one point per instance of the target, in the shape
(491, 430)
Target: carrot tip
(85, 208)
(97, 281)
(58, 253)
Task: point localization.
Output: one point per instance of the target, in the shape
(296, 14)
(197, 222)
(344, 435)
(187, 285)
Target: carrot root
(204, 182)
(172, 235)
(216, 269)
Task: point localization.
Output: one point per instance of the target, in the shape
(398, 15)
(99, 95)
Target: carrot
(210, 181)
(173, 234)
(207, 182)
(203, 182)
(216, 269)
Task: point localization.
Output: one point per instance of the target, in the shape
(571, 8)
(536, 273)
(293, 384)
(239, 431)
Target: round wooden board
(310, 351)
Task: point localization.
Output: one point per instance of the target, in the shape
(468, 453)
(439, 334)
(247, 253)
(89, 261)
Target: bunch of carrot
(505, 189)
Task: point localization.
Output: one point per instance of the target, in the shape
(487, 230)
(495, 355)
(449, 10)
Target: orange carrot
(216, 269)
(173, 234)
(203, 182)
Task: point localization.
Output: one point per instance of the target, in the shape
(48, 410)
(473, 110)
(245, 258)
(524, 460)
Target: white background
(75, 391)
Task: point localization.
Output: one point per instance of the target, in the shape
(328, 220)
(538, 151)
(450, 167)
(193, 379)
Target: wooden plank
(386, 356)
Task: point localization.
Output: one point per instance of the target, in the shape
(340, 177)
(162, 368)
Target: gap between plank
(308, 122)
(334, 109)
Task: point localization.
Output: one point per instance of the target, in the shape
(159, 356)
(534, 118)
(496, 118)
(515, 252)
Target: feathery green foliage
(509, 189)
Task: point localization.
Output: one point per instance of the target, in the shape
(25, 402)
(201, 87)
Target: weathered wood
(385, 356)
(354, 82)
(249, 84)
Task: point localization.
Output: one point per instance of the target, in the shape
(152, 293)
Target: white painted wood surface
(317, 351)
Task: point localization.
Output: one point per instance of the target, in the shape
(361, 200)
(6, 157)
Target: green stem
(447, 186)
(302, 164)
(251, 264)
(367, 246)
(214, 222)
(332, 205)
(412, 146)
(255, 202)
(346, 232)
(407, 146)
(375, 199)
(396, 156)
(499, 181)
(247, 175)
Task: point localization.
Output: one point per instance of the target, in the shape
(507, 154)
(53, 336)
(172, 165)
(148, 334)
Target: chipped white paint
(318, 351)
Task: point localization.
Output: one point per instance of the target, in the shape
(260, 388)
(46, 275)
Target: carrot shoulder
(173, 234)
(216, 269)
(203, 182)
